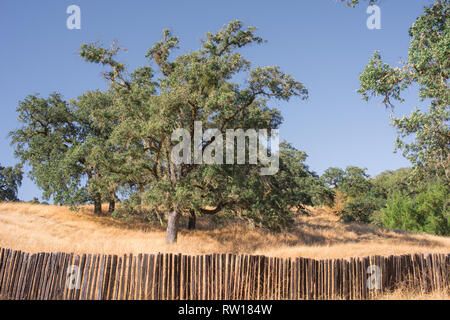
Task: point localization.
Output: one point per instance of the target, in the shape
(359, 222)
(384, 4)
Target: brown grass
(405, 293)
(36, 228)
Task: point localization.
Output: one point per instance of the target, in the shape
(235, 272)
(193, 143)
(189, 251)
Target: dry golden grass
(36, 228)
(405, 293)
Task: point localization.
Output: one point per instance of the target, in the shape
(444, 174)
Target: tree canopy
(120, 141)
(427, 67)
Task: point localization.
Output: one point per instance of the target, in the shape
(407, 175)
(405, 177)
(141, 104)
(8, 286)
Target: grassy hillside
(34, 228)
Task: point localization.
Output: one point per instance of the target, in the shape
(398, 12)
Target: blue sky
(322, 43)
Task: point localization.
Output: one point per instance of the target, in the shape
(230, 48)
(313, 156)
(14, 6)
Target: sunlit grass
(37, 228)
(406, 293)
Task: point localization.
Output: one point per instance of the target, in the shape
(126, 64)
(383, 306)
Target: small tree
(10, 181)
(333, 176)
(427, 211)
(65, 145)
(359, 195)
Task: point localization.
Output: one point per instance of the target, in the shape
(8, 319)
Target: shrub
(427, 211)
(361, 208)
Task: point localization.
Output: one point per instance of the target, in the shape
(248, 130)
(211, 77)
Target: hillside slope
(35, 228)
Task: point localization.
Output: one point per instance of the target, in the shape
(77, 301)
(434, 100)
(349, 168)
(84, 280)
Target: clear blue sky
(322, 43)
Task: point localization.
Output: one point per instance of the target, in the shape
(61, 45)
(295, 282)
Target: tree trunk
(98, 204)
(172, 227)
(192, 220)
(112, 206)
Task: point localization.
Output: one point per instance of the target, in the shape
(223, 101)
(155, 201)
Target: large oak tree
(120, 140)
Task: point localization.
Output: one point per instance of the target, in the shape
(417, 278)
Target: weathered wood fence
(215, 276)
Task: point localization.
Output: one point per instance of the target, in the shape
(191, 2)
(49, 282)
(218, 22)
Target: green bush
(427, 211)
(361, 208)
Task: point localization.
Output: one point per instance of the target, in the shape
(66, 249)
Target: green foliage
(355, 182)
(394, 199)
(10, 181)
(66, 145)
(428, 67)
(333, 177)
(401, 180)
(428, 211)
(362, 196)
(300, 185)
(361, 208)
(414, 200)
(352, 181)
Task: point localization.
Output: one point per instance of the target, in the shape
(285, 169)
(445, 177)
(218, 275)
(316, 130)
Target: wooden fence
(215, 276)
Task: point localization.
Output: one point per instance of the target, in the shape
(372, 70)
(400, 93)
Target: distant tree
(333, 176)
(353, 180)
(361, 208)
(400, 180)
(360, 196)
(10, 181)
(65, 145)
(297, 184)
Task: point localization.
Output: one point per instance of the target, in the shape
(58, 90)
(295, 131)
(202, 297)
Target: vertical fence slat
(29, 278)
(144, 277)
(86, 276)
(20, 277)
(12, 273)
(118, 279)
(151, 277)
(65, 289)
(100, 279)
(122, 295)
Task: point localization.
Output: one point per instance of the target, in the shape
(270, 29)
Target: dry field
(403, 293)
(36, 228)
